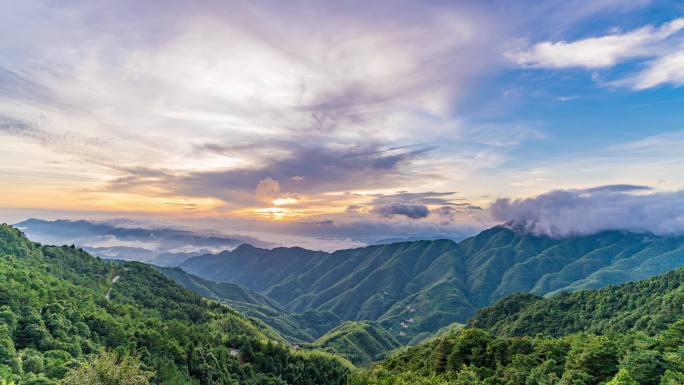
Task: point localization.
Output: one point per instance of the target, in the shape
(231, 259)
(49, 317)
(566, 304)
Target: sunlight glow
(284, 201)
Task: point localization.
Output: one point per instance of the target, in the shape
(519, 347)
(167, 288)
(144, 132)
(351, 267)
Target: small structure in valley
(235, 352)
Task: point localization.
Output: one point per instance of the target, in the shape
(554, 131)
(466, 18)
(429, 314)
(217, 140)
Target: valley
(133, 307)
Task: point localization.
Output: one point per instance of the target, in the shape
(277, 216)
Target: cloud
(301, 169)
(353, 208)
(423, 198)
(409, 211)
(662, 49)
(267, 188)
(617, 188)
(562, 213)
(67, 142)
(446, 214)
(290, 87)
(668, 68)
(598, 52)
(372, 230)
(417, 205)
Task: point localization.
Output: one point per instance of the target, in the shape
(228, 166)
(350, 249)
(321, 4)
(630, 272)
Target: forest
(67, 317)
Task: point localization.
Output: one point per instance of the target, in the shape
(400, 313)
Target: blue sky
(324, 119)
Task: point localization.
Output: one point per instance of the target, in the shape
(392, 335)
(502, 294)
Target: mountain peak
(244, 247)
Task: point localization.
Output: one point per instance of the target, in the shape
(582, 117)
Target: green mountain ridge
(413, 289)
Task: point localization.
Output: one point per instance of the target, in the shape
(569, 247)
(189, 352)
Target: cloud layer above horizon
(317, 116)
(563, 213)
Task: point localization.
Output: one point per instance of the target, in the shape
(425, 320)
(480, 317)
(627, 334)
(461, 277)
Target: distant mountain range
(412, 289)
(131, 241)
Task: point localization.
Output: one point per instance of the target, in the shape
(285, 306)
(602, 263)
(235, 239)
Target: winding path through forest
(114, 280)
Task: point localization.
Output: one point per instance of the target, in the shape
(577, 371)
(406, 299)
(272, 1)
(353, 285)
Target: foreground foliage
(474, 356)
(109, 369)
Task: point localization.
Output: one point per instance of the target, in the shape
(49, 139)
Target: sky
(346, 121)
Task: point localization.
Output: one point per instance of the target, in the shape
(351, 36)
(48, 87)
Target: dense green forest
(625, 334)
(69, 318)
(413, 289)
(65, 315)
(474, 356)
(647, 306)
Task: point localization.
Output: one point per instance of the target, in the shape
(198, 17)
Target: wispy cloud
(661, 45)
(666, 69)
(599, 52)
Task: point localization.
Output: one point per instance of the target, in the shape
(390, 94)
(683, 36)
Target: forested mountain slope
(59, 307)
(299, 328)
(646, 306)
(415, 288)
(361, 342)
(629, 334)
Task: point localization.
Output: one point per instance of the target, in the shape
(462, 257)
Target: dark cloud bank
(409, 211)
(308, 170)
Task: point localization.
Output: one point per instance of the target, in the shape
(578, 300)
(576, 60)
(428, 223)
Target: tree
(471, 348)
(672, 378)
(108, 368)
(6, 375)
(576, 377)
(623, 377)
(597, 357)
(646, 366)
(442, 355)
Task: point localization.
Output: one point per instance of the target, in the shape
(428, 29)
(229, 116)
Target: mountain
(171, 259)
(60, 307)
(361, 342)
(130, 241)
(298, 328)
(415, 288)
(623, 334)
(647, 306)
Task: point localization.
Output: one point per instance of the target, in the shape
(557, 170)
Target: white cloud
(668, 68)
(570, 212)
(153, 86)
(662, 47)
(598, 52)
